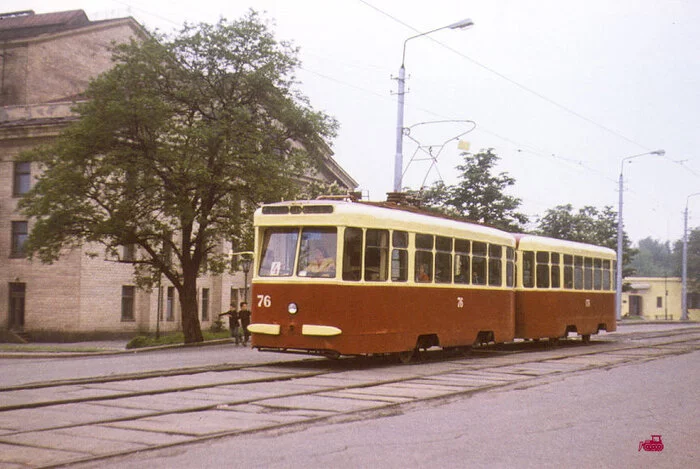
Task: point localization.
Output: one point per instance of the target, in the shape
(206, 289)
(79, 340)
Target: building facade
(657, 298)
(46, 62)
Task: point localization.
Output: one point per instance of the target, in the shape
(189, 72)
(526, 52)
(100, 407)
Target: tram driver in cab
(320, 265)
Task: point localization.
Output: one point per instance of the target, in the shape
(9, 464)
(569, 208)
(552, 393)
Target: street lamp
(684, 289)
(242, 261)
(398, 159)
(245, 264)
(618, 283)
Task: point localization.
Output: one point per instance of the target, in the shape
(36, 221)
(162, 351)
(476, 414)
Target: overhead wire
(526, 88)
(504, 77)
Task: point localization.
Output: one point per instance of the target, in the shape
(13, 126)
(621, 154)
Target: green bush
(138, 342)
(141, 341)
(217, 326)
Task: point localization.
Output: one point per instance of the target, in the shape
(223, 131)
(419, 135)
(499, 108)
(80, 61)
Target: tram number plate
(264, 301)
(460, 302)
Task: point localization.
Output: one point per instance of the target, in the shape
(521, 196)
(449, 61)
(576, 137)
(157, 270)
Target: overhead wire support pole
(684, 283)
(398, 158)
(618, 271)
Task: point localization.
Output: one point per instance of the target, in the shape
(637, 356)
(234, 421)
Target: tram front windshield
(311, 249)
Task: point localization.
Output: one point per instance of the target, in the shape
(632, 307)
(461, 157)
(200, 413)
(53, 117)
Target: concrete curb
(58, 351)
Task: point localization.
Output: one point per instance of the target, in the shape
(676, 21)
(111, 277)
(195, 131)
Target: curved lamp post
(684, 289)
(242, 261)
(618, 272)
(398, 159)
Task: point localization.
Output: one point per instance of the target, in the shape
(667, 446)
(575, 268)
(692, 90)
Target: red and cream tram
(353, 278)
(348, 278)
(563, 287)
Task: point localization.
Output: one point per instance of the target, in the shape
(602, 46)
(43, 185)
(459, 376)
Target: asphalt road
(593, 418)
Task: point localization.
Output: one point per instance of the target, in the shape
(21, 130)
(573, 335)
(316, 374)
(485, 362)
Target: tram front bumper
(306, 329)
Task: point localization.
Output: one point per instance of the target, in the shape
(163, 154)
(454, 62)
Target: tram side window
(510, 267)
(542, 269)
(556, 273)
(462, 269)
(606, 275)
(597, 274)
(495, 265)
(278, 250)
(399, 256)
(424, 258)
(568, 271)
(587, 273)
(578, 273)
(317, 252)
(376, 255)
(479, 263)
(528, 269)
(614, 277)
(443, 260)
(352, 254)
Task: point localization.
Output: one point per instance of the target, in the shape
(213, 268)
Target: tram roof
(540, 243)
(374, 215)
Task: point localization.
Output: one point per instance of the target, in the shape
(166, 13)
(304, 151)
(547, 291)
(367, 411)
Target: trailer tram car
(563, 287)
(351, 278)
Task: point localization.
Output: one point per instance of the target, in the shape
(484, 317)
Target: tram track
(230, 401)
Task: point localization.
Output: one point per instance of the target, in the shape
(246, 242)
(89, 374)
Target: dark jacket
(244, 316)
(233, 318)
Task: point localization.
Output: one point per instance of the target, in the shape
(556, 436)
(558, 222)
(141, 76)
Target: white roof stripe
(359, 214)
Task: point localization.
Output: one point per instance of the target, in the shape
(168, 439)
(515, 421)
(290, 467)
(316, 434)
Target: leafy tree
(588, 225)
(655, 259)
(174, 149)
(480, 195)
(693, 259)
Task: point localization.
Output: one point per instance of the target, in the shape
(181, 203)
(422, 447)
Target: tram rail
(237, 400)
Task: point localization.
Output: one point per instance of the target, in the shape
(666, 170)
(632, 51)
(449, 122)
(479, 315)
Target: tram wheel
(553, 342)
(407, 356)
(586, 338)
(332, 355)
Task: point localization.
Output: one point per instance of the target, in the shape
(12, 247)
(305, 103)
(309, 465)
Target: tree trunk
(188, 304)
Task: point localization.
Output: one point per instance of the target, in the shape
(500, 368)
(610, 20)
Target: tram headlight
(292, 308)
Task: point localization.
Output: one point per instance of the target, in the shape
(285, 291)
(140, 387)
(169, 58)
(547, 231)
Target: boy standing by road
(234, 322)
(244, 317)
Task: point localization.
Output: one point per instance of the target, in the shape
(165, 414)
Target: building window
(205, 304)
(169, 305)
(22, 178)
(128, 301)
(693, 300)
(128, 253)
(659, 302)
(17, 299)
(19, 238)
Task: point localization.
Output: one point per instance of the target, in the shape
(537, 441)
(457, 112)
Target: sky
(564, 92)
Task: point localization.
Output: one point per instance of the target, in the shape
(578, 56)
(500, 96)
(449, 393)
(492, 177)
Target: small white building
(657, 298)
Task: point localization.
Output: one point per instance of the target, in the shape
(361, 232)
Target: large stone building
(46, 62)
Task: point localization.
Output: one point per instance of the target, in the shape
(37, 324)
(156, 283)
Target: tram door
(636, 305)
(17, 297)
